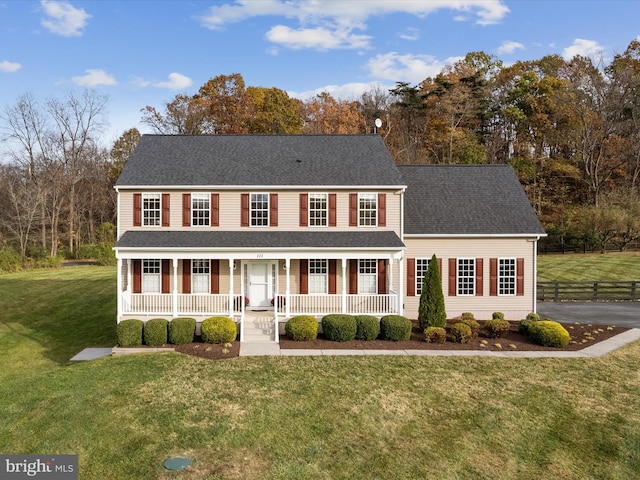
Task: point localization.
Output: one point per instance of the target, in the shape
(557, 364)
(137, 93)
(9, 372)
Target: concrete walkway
(273, 349)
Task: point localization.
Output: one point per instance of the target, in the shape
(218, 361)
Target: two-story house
(314, 224)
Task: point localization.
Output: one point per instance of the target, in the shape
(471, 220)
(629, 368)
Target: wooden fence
(588, 291)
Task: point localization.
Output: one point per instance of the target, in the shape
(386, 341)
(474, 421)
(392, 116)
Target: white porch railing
(296, 304)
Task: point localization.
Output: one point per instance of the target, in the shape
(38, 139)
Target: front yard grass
(578, 267)
(298, 418)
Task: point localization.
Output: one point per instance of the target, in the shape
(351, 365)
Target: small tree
(431, 312)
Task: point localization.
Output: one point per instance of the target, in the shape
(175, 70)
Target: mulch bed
(582, 336)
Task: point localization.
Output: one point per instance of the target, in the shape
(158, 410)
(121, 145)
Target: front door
(260, 285)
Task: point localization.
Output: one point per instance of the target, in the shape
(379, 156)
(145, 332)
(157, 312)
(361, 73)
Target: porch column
(175, 287)
(119, 287)
(287, 292)
(231, 261)
(400, 284)
(344, 284)
(390, 281)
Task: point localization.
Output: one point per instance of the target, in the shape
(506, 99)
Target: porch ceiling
(263, 240)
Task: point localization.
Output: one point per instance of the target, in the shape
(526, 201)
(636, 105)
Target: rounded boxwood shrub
(496, 328)
(435, 335)
(467, 315)
(473, 325)
(525, 324)
(129, 332)
(460, 332)
(218, 330)
(395, 328)
(155, 332)
(497, 316)
(367, 327)
(534, 317)
(301, 328)
(182, 330)
(549, 334)
(339, 328)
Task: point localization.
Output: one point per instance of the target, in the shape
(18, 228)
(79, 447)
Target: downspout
(535, 274)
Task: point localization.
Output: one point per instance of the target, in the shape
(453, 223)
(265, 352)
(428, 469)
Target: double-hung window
(368, 276)
(367, 209)
(318, 211)
(259, 210)
(506, 276)
(151, 276)
(466, 276)
(151, 209)
(200, 209)
(422, 264)
(318, 278)
(200, 276)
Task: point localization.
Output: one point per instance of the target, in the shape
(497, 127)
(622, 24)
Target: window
(318, 209)
(151, 276)
(200, 209)
(507, 276)
(200, 276)
(466, 276)
(367, 209)
(368, 278)
(422, 264)
(317, 276)
(259, 210)
(151, 209)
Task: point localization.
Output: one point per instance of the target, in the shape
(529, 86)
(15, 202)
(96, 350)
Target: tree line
(569, 128)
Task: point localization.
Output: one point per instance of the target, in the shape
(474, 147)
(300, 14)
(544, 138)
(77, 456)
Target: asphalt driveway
(620, 314)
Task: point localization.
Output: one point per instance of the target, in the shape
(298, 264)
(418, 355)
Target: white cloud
(410, 33)
(319, 38)
(6, 66)
(348, 91)
(584, 48)
(177, 81)
(509, 47)
(139, 82)
(93, 78)
(406, 68)
(63, 18)
(330, 24)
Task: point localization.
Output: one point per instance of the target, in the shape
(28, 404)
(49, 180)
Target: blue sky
(145, 52)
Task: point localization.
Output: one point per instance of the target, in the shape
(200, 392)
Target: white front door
(260, 284)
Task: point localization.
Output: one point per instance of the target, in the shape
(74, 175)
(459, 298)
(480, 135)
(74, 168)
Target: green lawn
(298, 418)
(588, 267)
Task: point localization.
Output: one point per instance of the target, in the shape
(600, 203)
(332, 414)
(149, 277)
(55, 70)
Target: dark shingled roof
(466, 200)
(259, 239)
(273, 160)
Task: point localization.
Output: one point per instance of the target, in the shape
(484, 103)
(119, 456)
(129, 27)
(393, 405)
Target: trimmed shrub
(395, 328)
(473, 325)
(129, 332)
(496, 328)
(182, 330)
(367, 327)
(467, 316)
(534, 317)
(431, 312)
(497, 316)
(155, 332)
(10, 260)
(549, 334)
(460, 332)
(218, 330)
(301, 328)
(435, 335)
(339, 328)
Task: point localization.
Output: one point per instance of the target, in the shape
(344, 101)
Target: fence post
(595, 291)
(633, 290)
(556, 286)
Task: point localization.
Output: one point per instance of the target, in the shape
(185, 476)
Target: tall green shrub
(218, 330)
(182, 330)
(339, 328)
(431, 312)
(155, 332)
(129, 332)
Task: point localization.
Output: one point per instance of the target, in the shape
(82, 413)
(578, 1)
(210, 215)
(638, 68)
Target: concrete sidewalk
(597, 350)
(273, 349)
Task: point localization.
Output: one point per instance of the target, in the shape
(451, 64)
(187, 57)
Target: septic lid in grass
(176, 463)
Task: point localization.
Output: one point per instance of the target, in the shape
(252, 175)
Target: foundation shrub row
(159, 331)
(343, 328)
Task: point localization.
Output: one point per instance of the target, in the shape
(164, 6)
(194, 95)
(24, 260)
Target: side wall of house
(482, 304)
